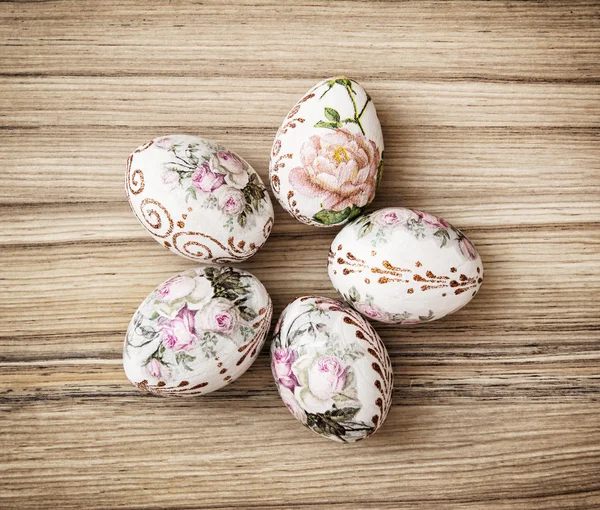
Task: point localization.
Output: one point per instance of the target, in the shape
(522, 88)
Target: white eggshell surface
(198, 199)
(403, 266)
(327, 157)
(331, 369)
(197, 331)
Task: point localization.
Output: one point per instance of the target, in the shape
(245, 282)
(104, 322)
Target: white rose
(231, 200)
(219, 316)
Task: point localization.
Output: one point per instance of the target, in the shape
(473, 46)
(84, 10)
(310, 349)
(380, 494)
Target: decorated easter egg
(197, 331)
(327, 158)
(198, 198)
(404, 266)
(331, 369)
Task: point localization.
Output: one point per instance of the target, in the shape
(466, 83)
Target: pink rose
(231, 200)
(170, 177)
(165, 143)
(370, 310)
(220, 316)
(205, 180)
(467, 248)
(431, 220)
(281, 365)
(175, 288)
(391, 216)
(178, 334)
(157, 370)
(230, 162)
(326, 377)
(411, 321)
(338, 167)
(232, 168)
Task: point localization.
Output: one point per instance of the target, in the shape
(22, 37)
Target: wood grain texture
(490, 113)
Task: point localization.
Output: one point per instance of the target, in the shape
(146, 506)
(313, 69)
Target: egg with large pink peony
(198, 198)
(327, 157)
(404, 266)
(197, 331)
(331, 369)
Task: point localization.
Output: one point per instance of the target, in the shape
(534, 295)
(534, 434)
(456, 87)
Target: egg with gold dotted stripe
(403, 266)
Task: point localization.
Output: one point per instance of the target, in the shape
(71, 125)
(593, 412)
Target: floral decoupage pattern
(420, 224)
(197, 331)
(199, 199)
(403, 266)
(332, 370)
(215, 176)
(327, 158)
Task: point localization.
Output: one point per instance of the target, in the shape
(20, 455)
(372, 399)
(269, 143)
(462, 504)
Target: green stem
(364, 107)
(356, 115)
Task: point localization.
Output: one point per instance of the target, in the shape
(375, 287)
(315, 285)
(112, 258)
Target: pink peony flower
(220, 316)
(165, 143)
(326, 377)
(205, 180)
(431, 220)
(467, 248)
(340, 168)
(281, 365)
(178, 334)
(231, 200)
(157, 370)
(175, 288)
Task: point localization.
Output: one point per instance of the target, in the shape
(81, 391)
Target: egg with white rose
(197, 332)
(327, 157)
(331, 368)
(404, 266)
(198, 199)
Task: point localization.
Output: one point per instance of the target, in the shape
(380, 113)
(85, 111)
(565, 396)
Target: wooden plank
(490, 117)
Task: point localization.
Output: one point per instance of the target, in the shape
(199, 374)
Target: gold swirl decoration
(154, 215)
(194, 249)
(134, 180)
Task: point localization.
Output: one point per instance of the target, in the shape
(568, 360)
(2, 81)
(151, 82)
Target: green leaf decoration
(426, 318)
(332, 114)
(247, 313)
(328, 125)
(329, 217)
(226, 282)
(148, 332)
(379, 171)
(183, 359)
(353, 294)
(443, 234)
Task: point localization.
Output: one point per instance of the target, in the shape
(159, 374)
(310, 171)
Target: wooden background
(491, 119)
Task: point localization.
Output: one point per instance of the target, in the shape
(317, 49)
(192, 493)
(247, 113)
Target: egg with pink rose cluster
(197, 331)
(198, 199)
(327, 157)
(331, 369)
(404, 266)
